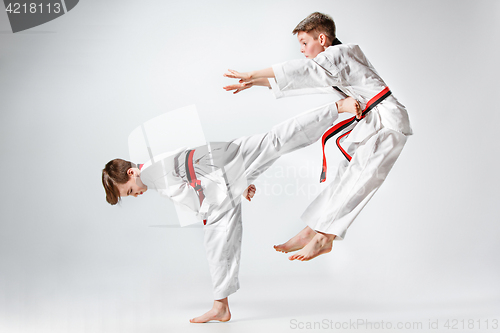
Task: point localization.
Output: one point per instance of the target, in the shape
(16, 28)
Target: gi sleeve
(322, 71)
(278, 93)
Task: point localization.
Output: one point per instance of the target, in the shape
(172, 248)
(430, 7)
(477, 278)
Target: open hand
(232, 74)
(240, 86)
(245, 81)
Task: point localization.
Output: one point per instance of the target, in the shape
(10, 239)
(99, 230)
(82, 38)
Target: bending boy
(205, 180)
(370, 143)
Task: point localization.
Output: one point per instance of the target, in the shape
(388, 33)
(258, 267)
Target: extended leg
(260, 151)
(257, 153)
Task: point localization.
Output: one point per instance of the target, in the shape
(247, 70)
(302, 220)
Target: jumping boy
(209, 180)
(371, 143)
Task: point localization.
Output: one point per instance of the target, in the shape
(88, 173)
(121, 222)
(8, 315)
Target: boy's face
(310, 46)
(134, 186)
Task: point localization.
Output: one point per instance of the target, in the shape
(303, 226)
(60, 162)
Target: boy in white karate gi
(370, 143)
(209, 180)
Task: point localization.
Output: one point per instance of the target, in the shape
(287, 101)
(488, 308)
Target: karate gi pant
(336, 207)
(223, 230)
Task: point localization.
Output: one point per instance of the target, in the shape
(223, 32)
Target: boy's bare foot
(350, 105)
(320, 244)
(220, 312)
(297, 242)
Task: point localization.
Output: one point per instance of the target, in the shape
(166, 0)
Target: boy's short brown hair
(317, 23)
(115, 172)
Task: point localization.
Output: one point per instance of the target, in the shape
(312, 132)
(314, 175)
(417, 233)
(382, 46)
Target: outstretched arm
(249, 79)
(259, 74)
(242, 85)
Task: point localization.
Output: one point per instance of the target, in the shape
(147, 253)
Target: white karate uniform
(374, 143)
(221, 207)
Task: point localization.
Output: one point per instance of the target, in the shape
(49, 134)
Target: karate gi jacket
(218, 169)
(343, 66)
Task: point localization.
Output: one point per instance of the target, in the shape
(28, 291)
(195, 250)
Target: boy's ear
(130, 172)
(322, 39)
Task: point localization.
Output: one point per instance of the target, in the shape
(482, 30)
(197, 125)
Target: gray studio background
(424, 249)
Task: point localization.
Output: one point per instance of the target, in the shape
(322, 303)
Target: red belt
(191, 177)
(336, 129)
